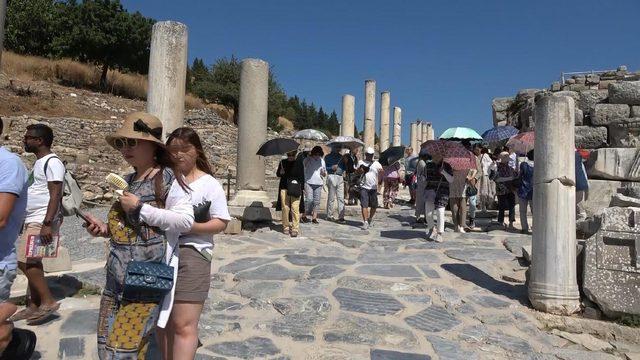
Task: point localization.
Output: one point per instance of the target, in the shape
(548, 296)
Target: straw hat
(139, 125)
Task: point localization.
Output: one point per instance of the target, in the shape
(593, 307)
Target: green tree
(30, 26)
(104, 33)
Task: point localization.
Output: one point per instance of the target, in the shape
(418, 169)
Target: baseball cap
(370, 151)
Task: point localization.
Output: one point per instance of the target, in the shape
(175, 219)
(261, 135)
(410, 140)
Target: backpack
(71, 192)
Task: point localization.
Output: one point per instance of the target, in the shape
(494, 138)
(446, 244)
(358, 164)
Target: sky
(442, 61)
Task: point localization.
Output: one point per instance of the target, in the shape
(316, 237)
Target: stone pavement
(339, 292)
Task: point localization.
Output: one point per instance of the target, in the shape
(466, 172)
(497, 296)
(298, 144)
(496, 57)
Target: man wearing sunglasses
(43, 218)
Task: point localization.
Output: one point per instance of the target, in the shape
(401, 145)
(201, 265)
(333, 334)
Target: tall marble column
(397, 126)
(414, 137)
(425, 132)
(252, 132)
(553, 284)
(418, 136)
(3, 14)
(348, 115)
(369, 113)
(385, 105)
(430, 132)
(167, 74)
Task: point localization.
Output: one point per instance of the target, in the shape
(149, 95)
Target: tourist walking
(458, 197)
(143, 226)
(504, 190)
(43, 219)
(291, 174)
(336, 168)
(436, 195)
(582, 186)
(314, 174)
(474, 183)
(409, 178)
(179, 340)
(420, 181)
(371, 180)
(350, 160)
(486, 187)
(393, 175)
(525, 191)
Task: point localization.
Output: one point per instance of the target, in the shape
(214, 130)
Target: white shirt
(206, 188)
(38, 193)
(175, 218)
(313, 168)
(371, 177)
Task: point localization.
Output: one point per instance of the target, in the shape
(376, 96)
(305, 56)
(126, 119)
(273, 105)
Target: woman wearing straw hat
(143, 225)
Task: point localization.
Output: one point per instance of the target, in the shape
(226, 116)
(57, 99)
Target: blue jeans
(312, 198)
(473, 206)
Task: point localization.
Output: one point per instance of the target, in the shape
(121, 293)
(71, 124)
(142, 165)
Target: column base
(252, 206)
(257, 198)
(551, 299)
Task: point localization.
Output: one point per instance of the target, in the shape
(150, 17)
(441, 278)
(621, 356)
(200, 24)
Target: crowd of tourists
(160, 227)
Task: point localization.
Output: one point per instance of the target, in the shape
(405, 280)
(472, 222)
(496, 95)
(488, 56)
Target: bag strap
(46, 164)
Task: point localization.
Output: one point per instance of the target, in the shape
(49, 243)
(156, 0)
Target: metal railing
(591, 72)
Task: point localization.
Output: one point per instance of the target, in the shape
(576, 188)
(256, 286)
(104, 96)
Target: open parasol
(277, 146)
(348, 142)
(460, 133)
(311, 134)
(522, 143)
(391, 155)
(499, 134)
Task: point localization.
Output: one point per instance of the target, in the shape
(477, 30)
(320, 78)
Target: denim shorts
(6, 280)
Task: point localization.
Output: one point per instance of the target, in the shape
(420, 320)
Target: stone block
(253, 213)
(625, 92)
(60, 263)
(578, 116)
(612, 263)
(501, 104)
(578, 87)
(593, 79)
(625, 134)
(605, 114)
(635, 111)
(604, 84)
(234, 226)
(589, 98)
(525, 94)
(555, 86)
(619, 200)
(588, 137)
(614, 164)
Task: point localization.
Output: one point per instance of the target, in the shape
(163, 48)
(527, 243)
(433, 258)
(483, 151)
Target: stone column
(3, 14)
(553, 284)
(418, 136)
(347, 127)
(252, 132)
(167, 74)
(385, 105)
(369, 113)
(430, 132)
(425, 132)
(414, 136)
(397, 126)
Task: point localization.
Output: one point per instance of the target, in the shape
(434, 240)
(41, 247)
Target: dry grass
(72, 73)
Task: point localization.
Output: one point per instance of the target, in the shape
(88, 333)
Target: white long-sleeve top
(175, 218)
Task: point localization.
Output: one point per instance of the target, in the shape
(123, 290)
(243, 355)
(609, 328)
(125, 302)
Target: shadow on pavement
(473, 274)
(403, 234)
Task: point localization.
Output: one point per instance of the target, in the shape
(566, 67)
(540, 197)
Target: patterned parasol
(438, 149)
(499, 133)
(348, 142)
(522, 143)
(311, 134)
(460, 158)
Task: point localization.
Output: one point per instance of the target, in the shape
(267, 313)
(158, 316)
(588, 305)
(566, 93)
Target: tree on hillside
(104, 33)
(30, 26)
(221, 85)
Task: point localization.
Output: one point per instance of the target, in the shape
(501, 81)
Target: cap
(369, 151)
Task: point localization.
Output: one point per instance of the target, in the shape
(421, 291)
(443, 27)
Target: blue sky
(443, 61)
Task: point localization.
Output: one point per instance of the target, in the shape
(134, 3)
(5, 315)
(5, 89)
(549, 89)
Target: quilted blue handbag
(148, 278)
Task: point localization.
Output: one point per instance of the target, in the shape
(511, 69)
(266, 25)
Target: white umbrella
(345, 141)
(311, 134)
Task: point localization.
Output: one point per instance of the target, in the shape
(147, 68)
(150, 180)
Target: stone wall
(81, 144)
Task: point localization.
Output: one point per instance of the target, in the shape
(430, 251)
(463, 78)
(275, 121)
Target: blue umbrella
(460, 133)
(499, 133)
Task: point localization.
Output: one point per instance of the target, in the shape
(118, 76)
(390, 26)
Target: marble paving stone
(429, 272)
(200, 356)
(494, 319)
(377, 354)
(357, 330)
(433, 319)
(306, 260)
(489, 301)
(450, 350)
(350, 243)
(479, 254)
(258, 289)
(325, 272)
(307, 287)
(245, 263)
(388, 270)
(466, 309)
(449, 296)
(366, 302)
(481, 334)
(71, 348)
(417, 298)
(301, 317)
(80, 322)
(255, 347)
(361, 283)
(268, 272)
(287, 251)
(381, 257)
(226, 306)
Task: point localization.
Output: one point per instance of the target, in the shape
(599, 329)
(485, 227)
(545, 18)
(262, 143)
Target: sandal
(23, 314)
(42, 314)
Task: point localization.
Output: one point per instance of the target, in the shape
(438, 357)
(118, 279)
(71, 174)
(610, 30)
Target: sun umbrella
(311, 134)
(499, 133)
(391, 155)
(460, 133)
(522, 143)
(348, 142)
(460, 159)
(438, 149)
(277, 146)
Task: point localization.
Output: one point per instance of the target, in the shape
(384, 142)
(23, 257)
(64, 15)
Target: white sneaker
(365, 225)
(438, 238)
(461, 230)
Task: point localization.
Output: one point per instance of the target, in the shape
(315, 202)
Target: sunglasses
(29, 137)
(120, 143)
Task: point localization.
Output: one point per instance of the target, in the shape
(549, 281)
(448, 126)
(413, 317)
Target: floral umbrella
(522, 143)
(311, 134)
(348, 142)
(438, 149)
(460, 158)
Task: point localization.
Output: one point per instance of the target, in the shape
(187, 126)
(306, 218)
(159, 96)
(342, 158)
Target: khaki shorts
(28, 230)
(194, 276)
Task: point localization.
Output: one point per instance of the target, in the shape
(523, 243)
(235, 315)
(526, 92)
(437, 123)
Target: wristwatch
(46, 223)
